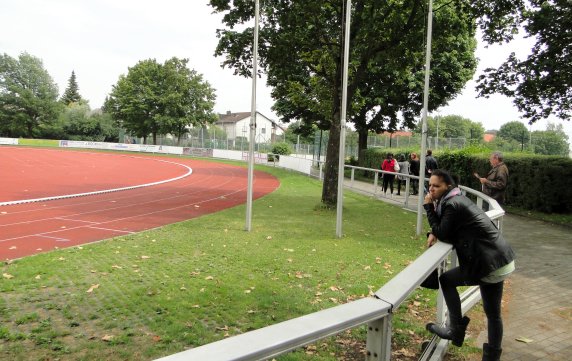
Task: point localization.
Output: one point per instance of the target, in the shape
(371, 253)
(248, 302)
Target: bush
(540, 183)
(281, 148)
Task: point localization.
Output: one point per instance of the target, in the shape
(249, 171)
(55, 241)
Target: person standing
(430, 163)
(414, 169)
(494, 184)
(485, 259)
(390, 166)
(403, 169)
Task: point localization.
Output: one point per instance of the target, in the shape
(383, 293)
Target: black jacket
(480, 246)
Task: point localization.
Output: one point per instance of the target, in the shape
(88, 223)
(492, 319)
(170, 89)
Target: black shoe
(455, 333)
(491, 354)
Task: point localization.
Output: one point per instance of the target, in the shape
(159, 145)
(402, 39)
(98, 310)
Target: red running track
(30, 228)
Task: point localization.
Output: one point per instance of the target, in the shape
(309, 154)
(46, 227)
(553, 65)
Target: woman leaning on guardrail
(485, 259)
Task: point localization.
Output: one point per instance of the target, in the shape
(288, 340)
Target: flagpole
(341, 157)
(248, 225)
(421, 188)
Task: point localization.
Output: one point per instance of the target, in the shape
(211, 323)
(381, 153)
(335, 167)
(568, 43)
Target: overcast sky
(100, 39)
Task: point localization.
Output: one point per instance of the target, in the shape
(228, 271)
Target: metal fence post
(378, 346)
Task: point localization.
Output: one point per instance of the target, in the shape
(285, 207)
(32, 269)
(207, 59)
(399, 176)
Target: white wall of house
(265, 128)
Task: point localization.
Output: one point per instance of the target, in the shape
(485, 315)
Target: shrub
(281, 148)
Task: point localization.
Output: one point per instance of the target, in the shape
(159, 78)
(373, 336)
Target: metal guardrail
(376, 312)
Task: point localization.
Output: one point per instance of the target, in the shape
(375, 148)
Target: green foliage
(71, 94)
(28, 96)
(514, 130)
(553, 141)
(300, 131)
(167, 98)
(540, 183)
(540, 84)
(281, 148)
(301, 56)
(453, 126)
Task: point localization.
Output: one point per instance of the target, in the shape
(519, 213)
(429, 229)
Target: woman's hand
(431, 240)
(428, 199)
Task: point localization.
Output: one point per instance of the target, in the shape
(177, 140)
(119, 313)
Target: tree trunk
(154, 138)
(362, 144)
(330, 186)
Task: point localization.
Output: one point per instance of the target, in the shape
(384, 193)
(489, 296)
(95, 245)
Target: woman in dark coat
(485, 259)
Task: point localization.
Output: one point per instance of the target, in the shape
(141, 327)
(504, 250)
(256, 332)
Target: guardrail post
(375, 177)
(407, 182)
(352, 178)
(321, 166)
(378, 346)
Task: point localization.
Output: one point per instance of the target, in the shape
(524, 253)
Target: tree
(296, 130)
(71, 94)
(514, 130)
(553, 141)
(188, 100)
(28, 96)
(158, 98)
(540, 85)
(302, 56)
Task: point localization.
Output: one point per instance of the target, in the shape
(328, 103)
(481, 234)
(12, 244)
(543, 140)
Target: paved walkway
(538, 302)
(538, 306)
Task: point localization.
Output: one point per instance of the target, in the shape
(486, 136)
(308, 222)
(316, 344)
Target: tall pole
(341, 157)
(248, 225)
(424, 127)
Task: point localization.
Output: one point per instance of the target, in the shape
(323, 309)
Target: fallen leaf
(145, 257)
(93, 287)
(183, 288)
(208, 278)
(366, 268)
(247, 291)
(116, 266)
(38, 277)
(7, 276)
(156, 338)
(524, 339)
(13, 247)
(61, 259)
(107, 338)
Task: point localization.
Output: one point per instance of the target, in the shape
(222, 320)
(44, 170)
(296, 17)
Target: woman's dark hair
(448, 178)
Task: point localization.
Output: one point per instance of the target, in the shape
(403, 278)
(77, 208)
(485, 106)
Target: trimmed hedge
(536, 182)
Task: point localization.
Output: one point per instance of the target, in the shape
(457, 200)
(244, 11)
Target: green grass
(39, 142)
(198, 281)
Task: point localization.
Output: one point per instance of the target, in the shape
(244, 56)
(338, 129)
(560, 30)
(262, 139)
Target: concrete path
(537, 307)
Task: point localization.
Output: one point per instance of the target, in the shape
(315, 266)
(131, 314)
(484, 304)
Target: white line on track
(189, 172)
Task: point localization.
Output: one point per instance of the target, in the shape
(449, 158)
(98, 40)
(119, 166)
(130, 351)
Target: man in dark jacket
(430, 163)
(494, 185)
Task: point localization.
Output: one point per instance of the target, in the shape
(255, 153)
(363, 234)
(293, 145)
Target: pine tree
(71, 94)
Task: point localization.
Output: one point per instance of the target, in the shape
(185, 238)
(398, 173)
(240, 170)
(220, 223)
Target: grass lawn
(151, 294)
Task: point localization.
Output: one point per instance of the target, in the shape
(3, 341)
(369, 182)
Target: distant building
(398, 133)
(237, 125)
(489, 137)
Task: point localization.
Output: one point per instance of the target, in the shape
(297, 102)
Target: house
(237, 125)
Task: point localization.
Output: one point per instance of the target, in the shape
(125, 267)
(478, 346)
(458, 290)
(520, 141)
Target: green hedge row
(540, 183)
